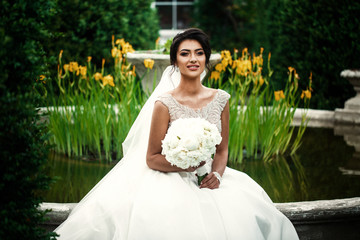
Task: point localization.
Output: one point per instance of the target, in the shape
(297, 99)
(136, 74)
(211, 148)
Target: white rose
(190, 144)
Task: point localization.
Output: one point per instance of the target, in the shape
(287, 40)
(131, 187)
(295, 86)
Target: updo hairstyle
(192, 34)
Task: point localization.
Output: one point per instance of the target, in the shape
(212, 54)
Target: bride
(145, 197)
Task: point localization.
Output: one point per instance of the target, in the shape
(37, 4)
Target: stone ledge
(323, 219)
(321, 209)
(347, 116)
(317, 118)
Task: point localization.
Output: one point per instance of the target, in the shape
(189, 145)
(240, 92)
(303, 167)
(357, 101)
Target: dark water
(315, 172)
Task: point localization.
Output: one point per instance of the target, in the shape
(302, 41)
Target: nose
(193, 58)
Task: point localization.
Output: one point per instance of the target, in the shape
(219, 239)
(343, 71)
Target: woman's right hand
(192, 169)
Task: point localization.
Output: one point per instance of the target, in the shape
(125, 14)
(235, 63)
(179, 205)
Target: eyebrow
(188, 50)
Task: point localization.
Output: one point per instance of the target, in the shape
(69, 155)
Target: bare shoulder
(211, 92)
(160, 108)
(160, 119)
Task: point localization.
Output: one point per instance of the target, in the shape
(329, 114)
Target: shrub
(84, 28)
(228, 23)
(22, 149)
(23, 155)
(321, 38)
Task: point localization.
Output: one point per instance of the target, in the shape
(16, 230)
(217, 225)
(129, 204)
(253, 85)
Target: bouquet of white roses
(190, 141)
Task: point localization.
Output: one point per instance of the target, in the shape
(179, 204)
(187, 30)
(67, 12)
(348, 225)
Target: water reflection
(73, 178)
(283, 180)
(321, 155)
(351, 135)
(314, 173)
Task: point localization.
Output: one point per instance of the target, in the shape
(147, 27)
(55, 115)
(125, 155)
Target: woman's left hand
(210, 181)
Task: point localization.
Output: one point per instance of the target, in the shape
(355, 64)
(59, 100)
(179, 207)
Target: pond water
(324, 167)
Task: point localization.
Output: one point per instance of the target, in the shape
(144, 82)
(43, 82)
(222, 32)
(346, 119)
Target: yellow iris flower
(306, 94)
(74, 67)
(243, 67)
(83, 71)
(66, 67)
(215, 75)
(132, 72)
(108, 80)
(279, 94)
(120, 41)
(127, 48)
(261, 81)
(98, 76)
(220, 67)
(115, 52)
(149, 63)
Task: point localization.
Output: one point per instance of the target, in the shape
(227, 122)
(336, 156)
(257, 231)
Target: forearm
(159, 163)
(219, 163)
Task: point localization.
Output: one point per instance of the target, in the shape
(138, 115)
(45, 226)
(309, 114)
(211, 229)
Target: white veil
(141, 127)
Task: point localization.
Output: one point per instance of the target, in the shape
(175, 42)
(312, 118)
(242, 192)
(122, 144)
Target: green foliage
(23, 155)
(228, 23)
(85, 28)
(167, 46)
(93, 112)
(21, 31)
(267, 115)
(22, 149)
(320, 37)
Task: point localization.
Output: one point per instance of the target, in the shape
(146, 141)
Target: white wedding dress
(135, 202)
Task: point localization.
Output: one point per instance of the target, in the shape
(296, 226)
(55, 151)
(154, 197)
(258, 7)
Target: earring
(176, 68)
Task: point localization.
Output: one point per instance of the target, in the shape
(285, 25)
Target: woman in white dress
(145, 197)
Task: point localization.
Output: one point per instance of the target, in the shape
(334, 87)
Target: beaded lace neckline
(197, 109)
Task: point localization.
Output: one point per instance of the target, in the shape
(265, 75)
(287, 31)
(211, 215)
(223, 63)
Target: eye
(200, 53)
(184, 54)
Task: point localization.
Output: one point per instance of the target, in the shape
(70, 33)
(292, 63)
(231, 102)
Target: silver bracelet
(217, 175)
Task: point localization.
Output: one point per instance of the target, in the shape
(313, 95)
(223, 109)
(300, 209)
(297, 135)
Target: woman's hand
(191, 169)
(210, 181)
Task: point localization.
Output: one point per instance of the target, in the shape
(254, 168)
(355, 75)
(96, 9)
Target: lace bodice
(211, 112)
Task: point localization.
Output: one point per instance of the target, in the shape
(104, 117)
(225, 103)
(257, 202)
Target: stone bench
(324, 219)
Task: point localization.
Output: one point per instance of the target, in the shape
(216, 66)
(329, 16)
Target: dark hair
(193, 34)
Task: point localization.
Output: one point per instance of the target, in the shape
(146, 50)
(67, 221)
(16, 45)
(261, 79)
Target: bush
(85, 28)
(23, 155)
(22, 149)
(229, 23)
(321, 38)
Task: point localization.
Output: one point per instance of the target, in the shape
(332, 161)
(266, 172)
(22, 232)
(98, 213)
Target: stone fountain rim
(350, 73)
(298, 212)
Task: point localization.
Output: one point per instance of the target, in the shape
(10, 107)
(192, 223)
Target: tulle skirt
(140, 203)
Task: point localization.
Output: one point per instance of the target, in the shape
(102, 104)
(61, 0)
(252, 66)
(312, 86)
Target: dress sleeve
(174, 111)
(223, 98)
(168, 101)
(164, 99)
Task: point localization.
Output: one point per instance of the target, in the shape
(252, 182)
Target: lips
(193, 67)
